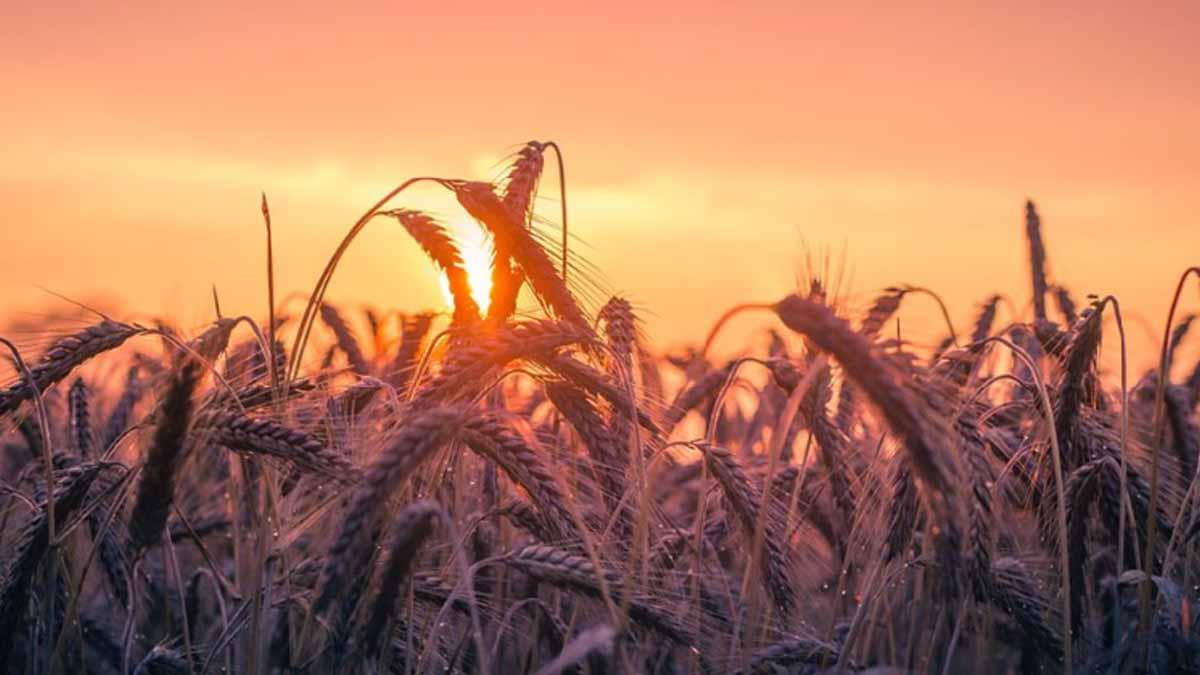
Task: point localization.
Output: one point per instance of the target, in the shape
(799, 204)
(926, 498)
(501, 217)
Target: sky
(711, 148)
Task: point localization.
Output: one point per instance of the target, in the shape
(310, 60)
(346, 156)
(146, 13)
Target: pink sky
(709, 146)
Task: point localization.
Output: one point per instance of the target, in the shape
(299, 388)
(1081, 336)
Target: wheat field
(523, 484)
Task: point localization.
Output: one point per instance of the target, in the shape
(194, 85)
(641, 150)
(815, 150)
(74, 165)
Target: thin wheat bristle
(65, 355)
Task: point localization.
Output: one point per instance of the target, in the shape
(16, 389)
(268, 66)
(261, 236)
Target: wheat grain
(65, 355)
(156, 489)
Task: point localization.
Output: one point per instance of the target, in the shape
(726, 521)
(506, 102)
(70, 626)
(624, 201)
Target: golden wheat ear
(441, 249)
(482, 203)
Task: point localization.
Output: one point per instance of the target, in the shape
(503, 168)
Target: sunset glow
(618, 337)
(476, 249)
(136, 144)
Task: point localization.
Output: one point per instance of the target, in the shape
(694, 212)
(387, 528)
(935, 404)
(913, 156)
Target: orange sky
(709, 145)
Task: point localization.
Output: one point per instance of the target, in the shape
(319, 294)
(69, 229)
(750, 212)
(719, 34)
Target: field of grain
(531, 487)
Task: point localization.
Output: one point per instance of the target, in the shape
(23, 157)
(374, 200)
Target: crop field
(520, 482)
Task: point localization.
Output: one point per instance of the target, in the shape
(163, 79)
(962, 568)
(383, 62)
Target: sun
(475, 246)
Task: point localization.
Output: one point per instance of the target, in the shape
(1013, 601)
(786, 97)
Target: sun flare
(475, 246)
